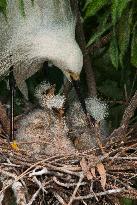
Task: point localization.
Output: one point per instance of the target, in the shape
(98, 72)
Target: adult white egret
(45, 32)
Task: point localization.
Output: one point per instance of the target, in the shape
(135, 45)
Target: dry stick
(34, 197)
(123, 158)
(90, 78)
(4, 119)
(39, 184)
(131, 194)
(119, 134)
(61, 169)
(129, 111)
(122, 183)
(60, 199)
(90, 196)
(67, 185)
(98, 138)
(1, 198)
(81, 177)
(19, 193)
(25, 173)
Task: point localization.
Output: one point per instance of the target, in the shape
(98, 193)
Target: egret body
(45, 33)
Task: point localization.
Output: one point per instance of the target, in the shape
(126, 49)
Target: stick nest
(100, 175)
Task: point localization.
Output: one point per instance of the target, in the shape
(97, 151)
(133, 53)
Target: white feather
(47, 32)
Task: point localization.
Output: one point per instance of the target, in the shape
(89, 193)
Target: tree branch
(90, 78)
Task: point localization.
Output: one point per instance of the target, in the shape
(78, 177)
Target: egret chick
(84, 137)
(42, 132)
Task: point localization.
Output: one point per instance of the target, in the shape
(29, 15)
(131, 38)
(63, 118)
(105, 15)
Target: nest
(100, 175)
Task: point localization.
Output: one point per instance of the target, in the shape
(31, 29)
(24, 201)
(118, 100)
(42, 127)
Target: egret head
(70, 61)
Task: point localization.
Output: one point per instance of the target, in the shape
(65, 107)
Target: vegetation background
(110, 28)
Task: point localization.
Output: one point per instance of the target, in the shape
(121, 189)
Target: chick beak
(76, 83)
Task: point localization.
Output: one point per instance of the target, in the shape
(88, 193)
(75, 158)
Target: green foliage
(118, 17)
(92, 6)
(3, 5)
(32, 2)
(102, 28)
(117, 8)
(134, 46)
(127, 202)
(21, 7)
(113, 50)
(124, 31)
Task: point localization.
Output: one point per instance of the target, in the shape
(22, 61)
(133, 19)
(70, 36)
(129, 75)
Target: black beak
(12, 92)
(76, 84)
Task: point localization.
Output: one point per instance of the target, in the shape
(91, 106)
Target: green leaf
(98, 34)
(117, 9)
(134, 46)
(93, 6)
(124, 30)
(113, 51)
(32, 1)
(103, 27)
(128, 201)
(21, 7)
(3, 5)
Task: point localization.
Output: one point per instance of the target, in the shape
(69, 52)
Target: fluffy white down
(41, 133)
(97, 108)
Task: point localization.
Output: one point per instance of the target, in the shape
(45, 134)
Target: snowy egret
(46, 32)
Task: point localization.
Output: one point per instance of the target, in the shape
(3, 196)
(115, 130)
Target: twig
(34, 197)
(4, 119)
(124, 158)
(39, 184)
(99, 44)
(67, 185)
(38, 173)
(129, 111)
(60, 199)
(119, 134)
(81, 177)
(1, 198)
(90, 196)
(98, 137)
(90, 78)
(19, 193)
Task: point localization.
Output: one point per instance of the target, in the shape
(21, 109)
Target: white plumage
(47, 32)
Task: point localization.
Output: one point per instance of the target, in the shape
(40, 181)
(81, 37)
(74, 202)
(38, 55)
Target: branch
(90, 78)
(108, 192)
(19, 193)
(119, 134)
(4, 119)
(34, 197)
(99, 44)
(60, 199)
(76, 189)
(129, 111)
